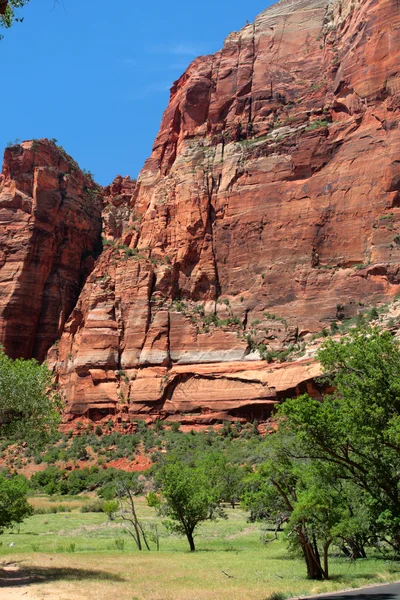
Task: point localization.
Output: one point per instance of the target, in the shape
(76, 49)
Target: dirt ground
(15, 584)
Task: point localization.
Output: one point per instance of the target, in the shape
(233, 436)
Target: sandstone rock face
(50, 231)
(269, 208)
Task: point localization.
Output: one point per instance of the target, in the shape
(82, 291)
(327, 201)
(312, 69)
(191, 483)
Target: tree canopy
(8, 15)
(30, 404)
(14, 507)
(187, 496)
(332, 468)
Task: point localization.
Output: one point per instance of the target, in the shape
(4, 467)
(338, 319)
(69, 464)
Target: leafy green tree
(309, 497)
(287, 498)
(14, 507)
(357, 427)
(225, 478)
(187, 497)
(30, 404)
(110, 507)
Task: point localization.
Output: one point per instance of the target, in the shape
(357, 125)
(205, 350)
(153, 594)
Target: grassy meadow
(75, 555)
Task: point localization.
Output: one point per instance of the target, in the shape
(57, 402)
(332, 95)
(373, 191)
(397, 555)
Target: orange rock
(273, 178)
(50, 224)
(270, 207)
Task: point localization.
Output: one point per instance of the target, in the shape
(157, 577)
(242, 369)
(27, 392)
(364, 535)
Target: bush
(96, 506)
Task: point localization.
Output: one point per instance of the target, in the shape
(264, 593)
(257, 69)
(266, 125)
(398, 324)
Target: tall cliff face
(269, 207)
(50, 235)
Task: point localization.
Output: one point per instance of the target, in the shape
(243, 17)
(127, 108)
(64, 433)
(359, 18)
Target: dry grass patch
(83, 556)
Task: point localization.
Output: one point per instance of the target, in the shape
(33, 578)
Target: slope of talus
(268, 208)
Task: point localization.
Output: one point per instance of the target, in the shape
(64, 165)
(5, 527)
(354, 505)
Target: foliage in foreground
(327, 476)
(187, 496)
(332, 470)
(30, 404)
(29, 410)
(14, 506)
(9, 17)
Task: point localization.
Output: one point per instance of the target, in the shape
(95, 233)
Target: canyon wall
(50, 228)
(268, 209)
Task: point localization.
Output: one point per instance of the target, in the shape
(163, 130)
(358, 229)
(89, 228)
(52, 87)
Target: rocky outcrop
(269, 208)
(50, 236)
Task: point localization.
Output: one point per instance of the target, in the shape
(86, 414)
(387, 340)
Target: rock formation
(269, 208)
(50, 224)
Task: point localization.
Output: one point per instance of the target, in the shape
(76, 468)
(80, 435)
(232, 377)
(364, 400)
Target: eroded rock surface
(268, 209)
(50, 235)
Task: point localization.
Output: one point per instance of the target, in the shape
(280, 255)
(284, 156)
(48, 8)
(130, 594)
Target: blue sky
(95, 74)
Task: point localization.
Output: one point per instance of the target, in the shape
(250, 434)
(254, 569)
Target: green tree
(14, 507)
(30, 404)
(187, 497)
(317, 507)
(110, 507)
(225, 478)
(288, 498)
(356, 428)
(29, 410)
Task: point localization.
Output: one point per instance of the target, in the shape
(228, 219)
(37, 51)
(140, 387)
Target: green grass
(75, 555)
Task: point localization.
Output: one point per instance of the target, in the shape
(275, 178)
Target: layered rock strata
(50, 236)
(268, 209)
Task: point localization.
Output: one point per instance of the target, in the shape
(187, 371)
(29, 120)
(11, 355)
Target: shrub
(95, 506)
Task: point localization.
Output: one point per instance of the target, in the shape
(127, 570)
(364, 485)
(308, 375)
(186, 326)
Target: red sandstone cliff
(269, 207)
(50, 227)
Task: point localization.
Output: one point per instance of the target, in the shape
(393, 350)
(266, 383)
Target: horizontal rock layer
(269, 208)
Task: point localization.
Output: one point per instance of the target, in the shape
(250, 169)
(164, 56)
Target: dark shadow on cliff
(11, 575)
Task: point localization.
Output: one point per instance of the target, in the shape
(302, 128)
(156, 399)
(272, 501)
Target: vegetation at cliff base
(30, 404)
(29, 410)
(76, 554)
(322, 483)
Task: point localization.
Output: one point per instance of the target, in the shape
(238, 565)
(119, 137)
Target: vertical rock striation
(50, 236)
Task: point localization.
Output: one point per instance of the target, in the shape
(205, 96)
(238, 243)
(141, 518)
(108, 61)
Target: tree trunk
(314, 569)
(357, 549)
(313, 562)
(138, 540)
(189, 535)
(326, 548)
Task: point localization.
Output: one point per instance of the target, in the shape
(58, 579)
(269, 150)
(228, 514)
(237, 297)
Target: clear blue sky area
(96, 74)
